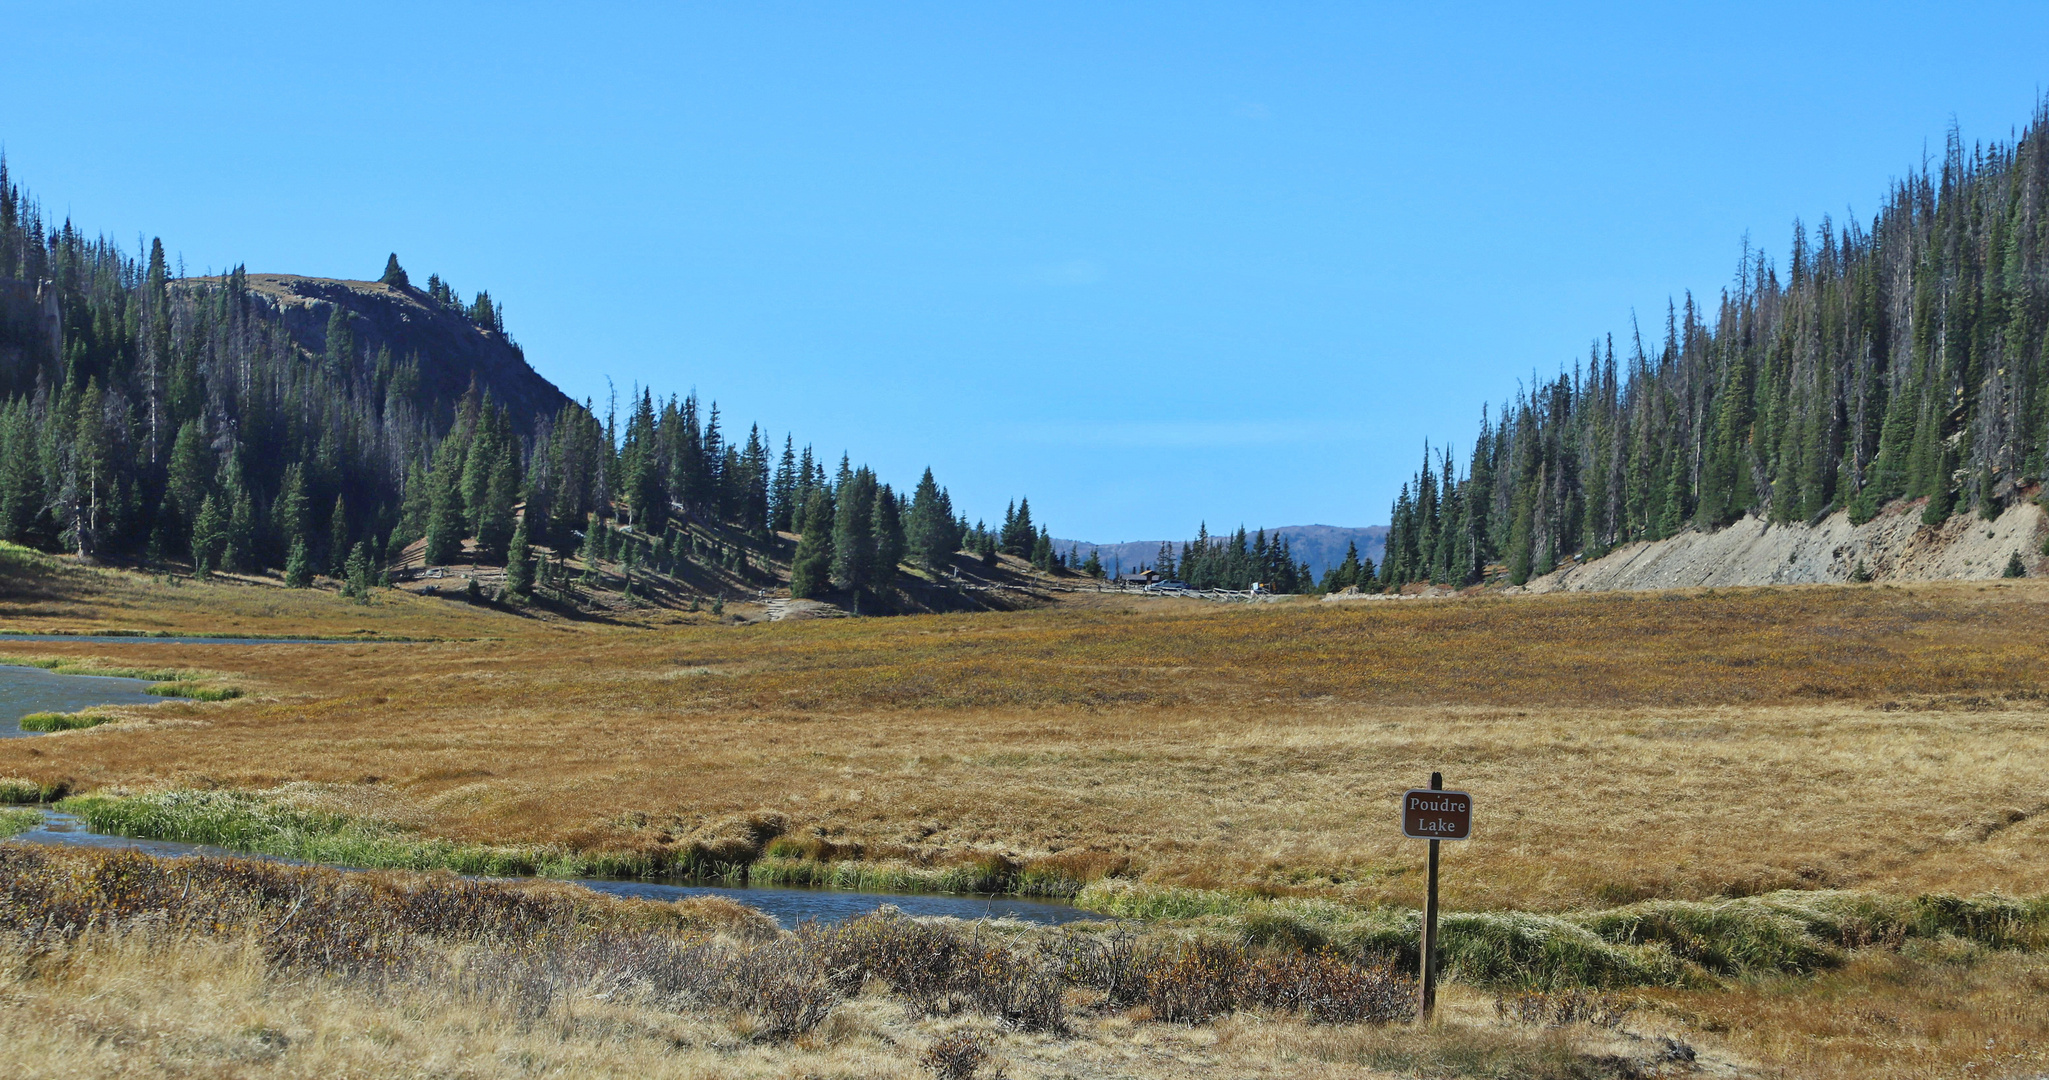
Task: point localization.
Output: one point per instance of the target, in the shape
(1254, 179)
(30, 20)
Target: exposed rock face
(451, 349)
(1894, 546)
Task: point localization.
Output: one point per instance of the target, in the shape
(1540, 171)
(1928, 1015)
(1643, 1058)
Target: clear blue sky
(1150, 264)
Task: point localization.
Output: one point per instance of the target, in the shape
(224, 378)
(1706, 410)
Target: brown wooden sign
(1437, 815)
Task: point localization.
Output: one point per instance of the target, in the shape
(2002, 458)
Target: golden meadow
(1180, 760)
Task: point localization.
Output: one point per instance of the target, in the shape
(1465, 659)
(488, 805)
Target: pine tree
(339, 359)
(1094, 566)
(480, 461)
(239, 549)
(495, 519)
(519, 578)
(932, 534)
(394, 274)
(1941, 491)
(291, 512)
(21, 482)
(445, 517)
(811, 569)
(890, 542)
(91, 476)
(783, 494)
(209, 535)
(238, 540)
(338, 539)
(416, 507)
(356, 574)
(298, 565)
(853, 533)
(191, 470)
(1018, 531)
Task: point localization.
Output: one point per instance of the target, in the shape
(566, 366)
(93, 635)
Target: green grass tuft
(15, 820)
(874, 876)
(14, 790)
(71, 665)
(1724, 938)
(195, 691)
(1655, 943)
(57, 721)
(267, 826)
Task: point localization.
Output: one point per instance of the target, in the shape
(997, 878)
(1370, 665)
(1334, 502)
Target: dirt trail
(1894, 546)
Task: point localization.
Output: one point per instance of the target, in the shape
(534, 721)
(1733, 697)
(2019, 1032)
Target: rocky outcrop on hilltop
(1894, 546)
(449, 347)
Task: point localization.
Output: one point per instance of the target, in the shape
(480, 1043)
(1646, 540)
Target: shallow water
(25, 690)
(788, 906)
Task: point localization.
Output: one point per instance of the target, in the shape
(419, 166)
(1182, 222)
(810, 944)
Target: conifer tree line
(1903, 361)
(182, 424)
(1236, 562)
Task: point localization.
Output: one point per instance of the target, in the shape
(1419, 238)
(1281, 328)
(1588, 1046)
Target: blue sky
(1149, 264)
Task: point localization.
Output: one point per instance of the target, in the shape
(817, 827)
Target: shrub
(956, 1056)
(1561, 1007)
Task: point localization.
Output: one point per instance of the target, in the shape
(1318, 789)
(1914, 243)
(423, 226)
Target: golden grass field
(1619, 747)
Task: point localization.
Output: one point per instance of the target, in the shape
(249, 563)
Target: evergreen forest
(173, 422)
(1887, 365)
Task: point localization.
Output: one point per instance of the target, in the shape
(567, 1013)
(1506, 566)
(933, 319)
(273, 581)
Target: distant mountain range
(1321, 546)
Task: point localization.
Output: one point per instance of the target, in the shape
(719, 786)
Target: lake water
(25, 690)
(788, 906)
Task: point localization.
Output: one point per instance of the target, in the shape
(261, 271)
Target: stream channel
(25, 690)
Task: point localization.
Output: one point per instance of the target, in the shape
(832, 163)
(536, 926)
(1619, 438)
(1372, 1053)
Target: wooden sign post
(1434, 814)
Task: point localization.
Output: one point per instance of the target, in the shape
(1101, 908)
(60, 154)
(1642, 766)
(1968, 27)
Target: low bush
(956, 1056)
(1194, 981)
(1557, 1008)
(940, 971)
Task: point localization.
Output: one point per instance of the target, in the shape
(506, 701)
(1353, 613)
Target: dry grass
(117, 962)
(131, 1006)
(1619, 748)
(1937, 1009)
